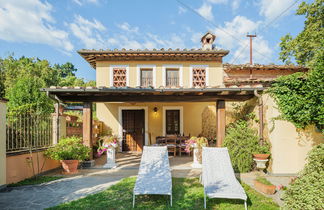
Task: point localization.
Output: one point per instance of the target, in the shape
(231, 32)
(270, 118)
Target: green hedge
(307, 191)
(241, 141)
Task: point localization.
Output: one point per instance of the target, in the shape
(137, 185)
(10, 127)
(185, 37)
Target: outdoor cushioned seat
(218, 176)
(154, 176)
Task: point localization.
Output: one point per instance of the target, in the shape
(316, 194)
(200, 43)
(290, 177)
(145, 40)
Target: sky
(55, 30)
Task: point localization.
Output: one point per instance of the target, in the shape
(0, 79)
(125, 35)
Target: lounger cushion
(154, 176)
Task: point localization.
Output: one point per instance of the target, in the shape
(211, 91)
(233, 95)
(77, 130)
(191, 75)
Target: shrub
(306, 192)
(241, 142)
(70, 148)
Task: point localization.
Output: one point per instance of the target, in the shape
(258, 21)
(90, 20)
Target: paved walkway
(88, 181)
(94, 180)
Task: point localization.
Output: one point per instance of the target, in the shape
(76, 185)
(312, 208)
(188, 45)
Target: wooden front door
(133, 130)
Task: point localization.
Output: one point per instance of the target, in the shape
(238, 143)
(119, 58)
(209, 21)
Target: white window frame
(164, 67)
(191, 74)
(164, 109)
(111, 73)
(120, 122)
(138, 69)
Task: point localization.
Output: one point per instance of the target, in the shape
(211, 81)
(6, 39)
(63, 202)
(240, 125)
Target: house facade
(143, 94)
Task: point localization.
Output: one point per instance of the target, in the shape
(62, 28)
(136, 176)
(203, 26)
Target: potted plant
(196, 144)
(69, 151)
(108, 143)
(263, 185)
(262, 151)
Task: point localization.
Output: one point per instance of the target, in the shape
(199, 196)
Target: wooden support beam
(87, 126)
(221, 122)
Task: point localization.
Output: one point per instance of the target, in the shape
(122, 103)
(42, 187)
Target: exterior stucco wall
(2, 143)
(103, 72)
(19, 166)
(289, 146)
(192, 116)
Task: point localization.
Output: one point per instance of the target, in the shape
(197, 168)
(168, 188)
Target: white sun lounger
(154, 176)
(218, 176)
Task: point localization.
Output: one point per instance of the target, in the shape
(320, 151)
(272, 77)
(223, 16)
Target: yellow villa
(142, 95)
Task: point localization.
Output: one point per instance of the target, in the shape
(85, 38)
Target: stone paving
(87, 182)
(96, 179)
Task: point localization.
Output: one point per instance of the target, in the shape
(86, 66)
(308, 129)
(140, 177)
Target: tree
(300, 96)
(307, 43)
(22, 78)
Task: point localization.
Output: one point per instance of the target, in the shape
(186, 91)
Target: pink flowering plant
(196, 142)
(107, 142)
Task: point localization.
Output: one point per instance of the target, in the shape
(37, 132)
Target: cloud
(31, 21)
(270, 9)
(181, 10)
(88, 32)
(232, 36)
(126, 27)
(235, 4)
(218, 1)
(82, 2)
(206, 11)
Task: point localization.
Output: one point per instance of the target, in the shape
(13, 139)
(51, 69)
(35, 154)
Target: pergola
(91, 95)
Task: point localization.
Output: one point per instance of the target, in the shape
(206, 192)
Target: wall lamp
(155, 109)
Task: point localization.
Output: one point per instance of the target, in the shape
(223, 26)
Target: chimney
(207, 41)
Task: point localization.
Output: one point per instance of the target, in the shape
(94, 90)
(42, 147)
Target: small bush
(70, 148)
(306, 192)
(241, 142)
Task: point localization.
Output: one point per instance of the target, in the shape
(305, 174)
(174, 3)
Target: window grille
(119, 77)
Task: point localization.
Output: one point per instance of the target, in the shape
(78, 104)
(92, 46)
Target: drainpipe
(260, 115)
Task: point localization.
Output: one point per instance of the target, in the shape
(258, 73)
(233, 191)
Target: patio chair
(218, 176)
(154, 176)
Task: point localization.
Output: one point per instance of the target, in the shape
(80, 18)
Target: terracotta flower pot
(267, 189)
(261, 156)
(70, 166)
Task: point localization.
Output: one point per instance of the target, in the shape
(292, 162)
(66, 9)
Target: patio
(97, 179)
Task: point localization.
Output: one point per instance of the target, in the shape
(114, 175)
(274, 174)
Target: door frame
(180, 108)
(120, 121)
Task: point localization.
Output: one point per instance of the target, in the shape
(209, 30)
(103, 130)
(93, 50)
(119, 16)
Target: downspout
(57, 112)
(260, 115)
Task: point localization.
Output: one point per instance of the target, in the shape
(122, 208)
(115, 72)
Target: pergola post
(87, 126)
(220, 122)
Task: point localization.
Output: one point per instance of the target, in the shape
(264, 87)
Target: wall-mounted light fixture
(155, 109)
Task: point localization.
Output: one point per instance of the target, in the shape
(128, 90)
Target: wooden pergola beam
(87, 126)
(221, 122)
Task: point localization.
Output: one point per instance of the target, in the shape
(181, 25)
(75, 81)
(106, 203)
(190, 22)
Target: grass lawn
(35, 180)
(187, 194)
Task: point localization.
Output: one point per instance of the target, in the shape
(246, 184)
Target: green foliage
(35, 180)
(307, 43)
(70, 148)
(241, 141)
(14, 77)
(25, 96)
(300, 96)
(306, 192)
(263, 180)
(263, 148)
(187, 193)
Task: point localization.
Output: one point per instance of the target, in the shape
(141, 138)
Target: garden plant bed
(34, 181)
(263, 185)
(187, 194)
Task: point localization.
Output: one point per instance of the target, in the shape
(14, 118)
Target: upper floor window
(146, 77)
(199, 76)
(172, 75)
(119, 76)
